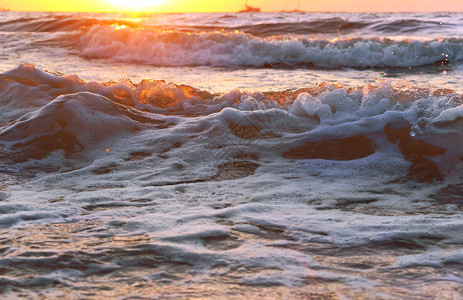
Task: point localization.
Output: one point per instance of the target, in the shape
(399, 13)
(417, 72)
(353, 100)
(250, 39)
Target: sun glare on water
(136, 5)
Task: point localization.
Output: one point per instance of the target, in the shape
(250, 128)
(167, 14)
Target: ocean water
(269, 155)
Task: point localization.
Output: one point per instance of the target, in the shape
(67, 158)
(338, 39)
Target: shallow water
(304, 179)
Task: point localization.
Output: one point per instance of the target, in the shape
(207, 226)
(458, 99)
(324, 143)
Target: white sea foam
(432, 259)
(147, 46)
(332, 110)
(188, 183)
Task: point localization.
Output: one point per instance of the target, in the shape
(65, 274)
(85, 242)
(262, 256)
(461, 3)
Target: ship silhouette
(249, 9)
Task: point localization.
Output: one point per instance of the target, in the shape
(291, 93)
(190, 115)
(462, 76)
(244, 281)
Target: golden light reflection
(134, 19)
(119, 27)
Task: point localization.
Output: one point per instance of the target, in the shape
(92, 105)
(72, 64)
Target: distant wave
(50, 24)
(332, 25)
(407, 26)
(171, 48)
(270, 42)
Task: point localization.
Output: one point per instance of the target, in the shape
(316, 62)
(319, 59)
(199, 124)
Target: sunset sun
(136, 5)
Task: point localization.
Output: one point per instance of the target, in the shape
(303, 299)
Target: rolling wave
(325, 26)
(326, 121)
(237, 49)
(268, 27)
(51, 24)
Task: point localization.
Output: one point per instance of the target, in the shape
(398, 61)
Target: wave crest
(233, 49)
(77, 116)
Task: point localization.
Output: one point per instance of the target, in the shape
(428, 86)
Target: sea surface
(224, 155)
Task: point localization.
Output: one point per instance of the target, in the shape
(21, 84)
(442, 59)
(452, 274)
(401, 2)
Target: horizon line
(186, 12)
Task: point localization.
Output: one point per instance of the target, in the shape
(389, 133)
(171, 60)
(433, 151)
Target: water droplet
(398, 107)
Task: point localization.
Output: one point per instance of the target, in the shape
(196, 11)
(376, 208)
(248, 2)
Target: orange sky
(223, 5)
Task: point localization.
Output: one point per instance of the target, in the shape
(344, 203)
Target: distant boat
(249, 9)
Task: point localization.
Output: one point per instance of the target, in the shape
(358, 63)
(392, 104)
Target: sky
(227, 5)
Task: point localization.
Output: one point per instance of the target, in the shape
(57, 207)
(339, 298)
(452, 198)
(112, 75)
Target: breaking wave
(236, 49)
(326, 121)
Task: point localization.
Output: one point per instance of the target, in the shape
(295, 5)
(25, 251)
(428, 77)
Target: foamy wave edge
(232, 49)
(42, 113)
